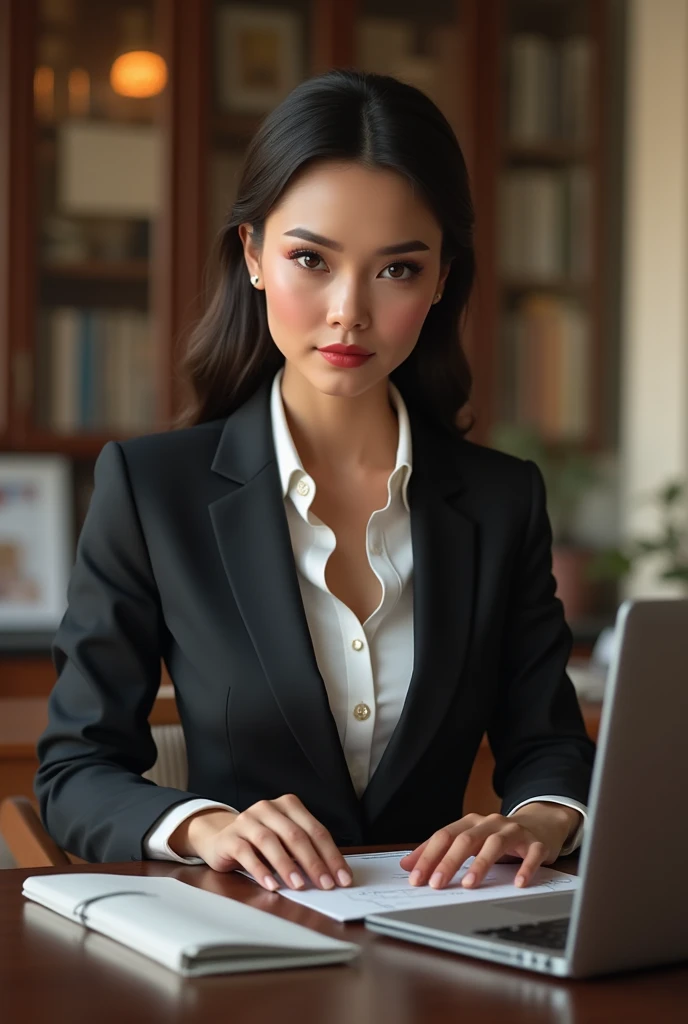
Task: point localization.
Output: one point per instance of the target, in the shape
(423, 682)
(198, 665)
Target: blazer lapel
(443, 541)
(253, 537)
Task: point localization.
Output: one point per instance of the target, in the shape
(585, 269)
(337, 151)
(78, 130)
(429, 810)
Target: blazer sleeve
(537, 733)
(107, 654)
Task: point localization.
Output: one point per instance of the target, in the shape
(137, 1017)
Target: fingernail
(415, 877)
(270, 882)
(296, 880)
(327, 881)
(436, 880)
(344, 877)
(520, 880)
(468, 879)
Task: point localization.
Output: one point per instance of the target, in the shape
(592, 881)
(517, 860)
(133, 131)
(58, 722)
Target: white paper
(380, 885)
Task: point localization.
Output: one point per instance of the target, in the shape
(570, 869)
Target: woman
(346, 592)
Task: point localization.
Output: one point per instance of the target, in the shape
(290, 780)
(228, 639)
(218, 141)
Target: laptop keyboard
(549, 934)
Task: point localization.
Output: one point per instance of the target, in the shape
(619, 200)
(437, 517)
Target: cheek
(291, 305)
(400, 322)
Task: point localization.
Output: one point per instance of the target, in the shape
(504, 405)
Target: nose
(349, 308)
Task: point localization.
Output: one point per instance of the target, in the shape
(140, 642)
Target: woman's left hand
(535, 834)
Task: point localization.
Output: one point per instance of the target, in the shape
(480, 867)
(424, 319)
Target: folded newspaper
(187, 929)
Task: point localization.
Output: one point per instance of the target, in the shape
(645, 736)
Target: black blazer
(185, 554)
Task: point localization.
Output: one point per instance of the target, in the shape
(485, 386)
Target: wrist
(542, 811)
(193, 833)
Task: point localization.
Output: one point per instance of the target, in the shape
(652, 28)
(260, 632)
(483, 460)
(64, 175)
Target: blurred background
(122, 131)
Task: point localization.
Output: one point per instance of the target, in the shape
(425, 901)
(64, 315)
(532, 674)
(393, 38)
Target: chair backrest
(170, 769)
(25, 838)
(22, 829)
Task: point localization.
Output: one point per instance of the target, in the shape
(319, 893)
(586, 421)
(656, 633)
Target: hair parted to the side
(351, 116)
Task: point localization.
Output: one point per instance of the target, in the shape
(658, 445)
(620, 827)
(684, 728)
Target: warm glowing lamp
(138, 73)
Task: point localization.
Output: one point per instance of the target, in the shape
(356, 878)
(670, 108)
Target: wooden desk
(45, 976)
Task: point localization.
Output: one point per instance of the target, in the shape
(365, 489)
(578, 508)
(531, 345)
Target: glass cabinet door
(260, 52)
(97, 84)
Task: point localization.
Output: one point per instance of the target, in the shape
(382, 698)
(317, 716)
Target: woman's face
(351, 257)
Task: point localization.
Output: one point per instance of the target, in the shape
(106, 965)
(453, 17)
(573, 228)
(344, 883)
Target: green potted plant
(669, 544)
(569, 474)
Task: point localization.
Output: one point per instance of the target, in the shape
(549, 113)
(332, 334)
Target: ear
(444, 273)
(251, 252)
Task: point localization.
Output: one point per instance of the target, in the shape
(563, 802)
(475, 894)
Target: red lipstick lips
(345, 356)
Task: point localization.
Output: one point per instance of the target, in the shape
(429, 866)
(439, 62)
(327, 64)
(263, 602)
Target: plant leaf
(609, 565)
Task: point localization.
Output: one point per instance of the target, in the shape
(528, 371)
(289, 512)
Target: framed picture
(35, 541)
(109, 170)
(258, 57)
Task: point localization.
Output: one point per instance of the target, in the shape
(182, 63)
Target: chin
(338, 388)
(340, 383)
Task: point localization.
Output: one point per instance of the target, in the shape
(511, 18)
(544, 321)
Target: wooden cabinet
(110, 202)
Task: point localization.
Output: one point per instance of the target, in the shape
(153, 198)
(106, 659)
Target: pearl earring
(255, 279)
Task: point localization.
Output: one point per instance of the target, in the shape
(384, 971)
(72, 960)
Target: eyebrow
(387, 250)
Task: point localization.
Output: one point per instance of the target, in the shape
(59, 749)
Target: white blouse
(366, 667)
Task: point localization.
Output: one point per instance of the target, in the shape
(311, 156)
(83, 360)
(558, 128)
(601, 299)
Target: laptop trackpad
(540, 907)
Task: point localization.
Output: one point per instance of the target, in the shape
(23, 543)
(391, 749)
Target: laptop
(631, 909)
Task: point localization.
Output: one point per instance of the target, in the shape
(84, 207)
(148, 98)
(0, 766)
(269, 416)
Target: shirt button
(361, 712)
(302, 488)
(357, 645)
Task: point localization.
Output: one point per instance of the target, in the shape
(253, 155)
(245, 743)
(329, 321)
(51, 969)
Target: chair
(25, 838)
(22, 829)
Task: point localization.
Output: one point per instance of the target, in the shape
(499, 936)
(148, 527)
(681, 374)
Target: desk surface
(44, 977)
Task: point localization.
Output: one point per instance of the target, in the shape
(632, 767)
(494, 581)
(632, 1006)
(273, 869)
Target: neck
(353, 434)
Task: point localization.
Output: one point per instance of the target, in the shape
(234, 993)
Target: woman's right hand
(272, 835)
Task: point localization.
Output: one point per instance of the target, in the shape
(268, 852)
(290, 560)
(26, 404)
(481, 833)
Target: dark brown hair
(380, 122)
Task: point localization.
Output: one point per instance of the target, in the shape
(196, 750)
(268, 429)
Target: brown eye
(300, 256)
(397, 271)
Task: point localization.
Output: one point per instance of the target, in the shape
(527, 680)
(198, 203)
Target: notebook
(186, 929)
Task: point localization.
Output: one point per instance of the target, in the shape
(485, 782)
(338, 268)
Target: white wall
(654, 329)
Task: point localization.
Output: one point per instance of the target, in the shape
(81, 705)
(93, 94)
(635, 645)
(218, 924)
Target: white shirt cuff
(577, 838)
(156, 844)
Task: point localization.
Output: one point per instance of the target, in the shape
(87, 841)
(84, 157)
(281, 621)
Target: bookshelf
(547, 203)
(103, 272)
(548, 319)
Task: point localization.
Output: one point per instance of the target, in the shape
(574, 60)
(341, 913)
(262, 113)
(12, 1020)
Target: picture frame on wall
(258, 57)
(35, 541)
(109, 169)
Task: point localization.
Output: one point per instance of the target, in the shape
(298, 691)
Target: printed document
(380, 884)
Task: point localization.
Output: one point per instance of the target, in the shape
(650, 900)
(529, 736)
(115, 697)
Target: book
(64, 412)
(531, 81)
(182, 927)
(577, 68)
(532, 223)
